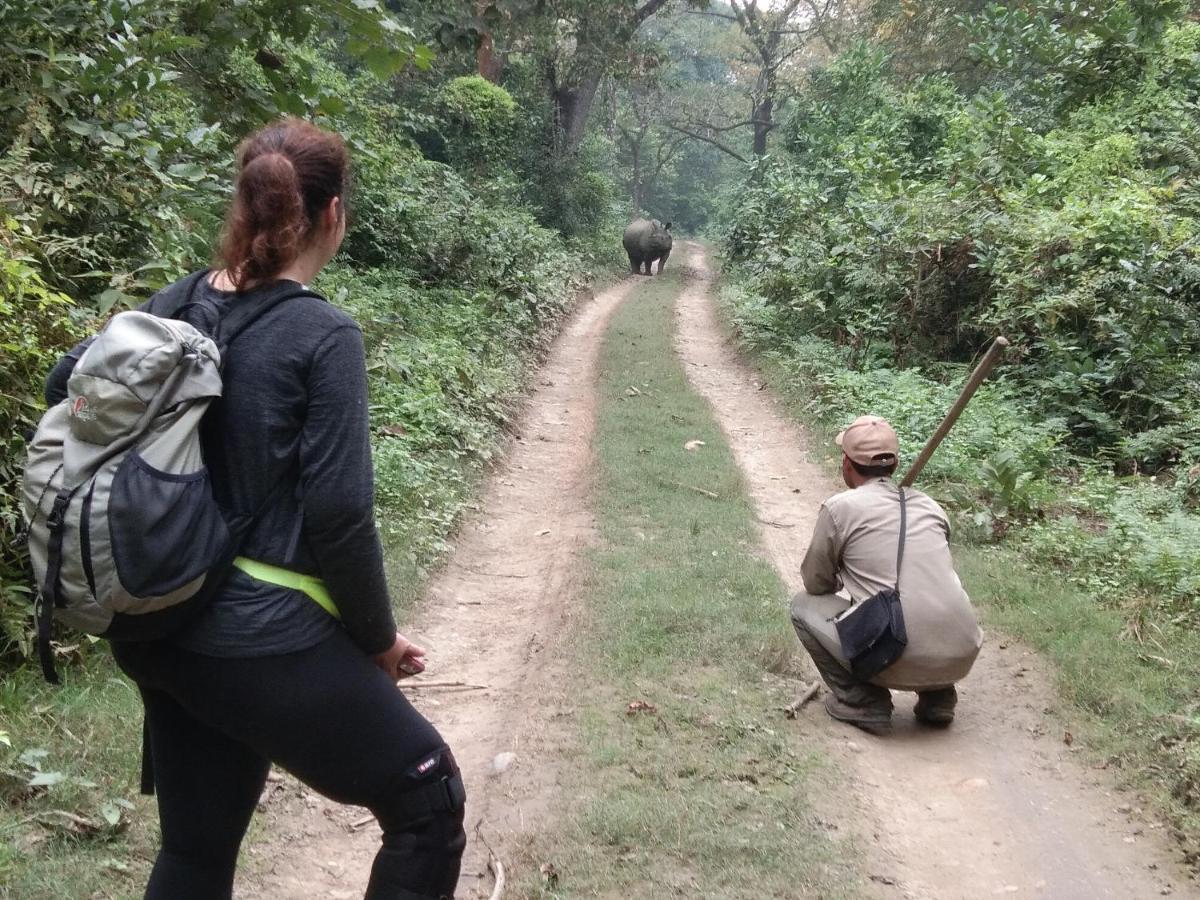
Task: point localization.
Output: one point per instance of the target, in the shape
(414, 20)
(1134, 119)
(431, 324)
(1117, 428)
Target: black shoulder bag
(872, 634)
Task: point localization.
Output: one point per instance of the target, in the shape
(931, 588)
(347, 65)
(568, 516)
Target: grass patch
(81, 830)
(713, 794)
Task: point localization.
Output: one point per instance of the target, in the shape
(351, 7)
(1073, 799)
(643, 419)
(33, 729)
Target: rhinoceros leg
(662, 261)
(649, 263)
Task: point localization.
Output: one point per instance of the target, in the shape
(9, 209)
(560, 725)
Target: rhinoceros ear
(668, 226)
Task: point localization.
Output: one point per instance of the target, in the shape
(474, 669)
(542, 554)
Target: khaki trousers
(812, 616)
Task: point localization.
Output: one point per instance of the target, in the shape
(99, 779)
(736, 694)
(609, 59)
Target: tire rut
(493, 617)
(998, 804)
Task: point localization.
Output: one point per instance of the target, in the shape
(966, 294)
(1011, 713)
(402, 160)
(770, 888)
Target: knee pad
(430, 787)
(423, 835)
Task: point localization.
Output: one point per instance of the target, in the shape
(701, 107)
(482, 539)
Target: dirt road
(491, 618)
(997, 805)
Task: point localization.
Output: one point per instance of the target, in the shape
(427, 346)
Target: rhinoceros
(647, 240)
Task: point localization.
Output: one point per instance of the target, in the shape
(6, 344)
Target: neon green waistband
(307, 584)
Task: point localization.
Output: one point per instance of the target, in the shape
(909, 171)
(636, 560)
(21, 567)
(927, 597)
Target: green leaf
(186, 171)
(383, 61)
(331, 106)
(110, 298)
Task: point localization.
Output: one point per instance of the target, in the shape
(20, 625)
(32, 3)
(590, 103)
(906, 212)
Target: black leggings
(328, 716)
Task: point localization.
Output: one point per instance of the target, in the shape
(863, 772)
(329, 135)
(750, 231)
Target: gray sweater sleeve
(337, 490)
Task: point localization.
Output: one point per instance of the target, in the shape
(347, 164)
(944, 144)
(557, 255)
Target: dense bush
(478, 120)
(910, 222)
(33, 321)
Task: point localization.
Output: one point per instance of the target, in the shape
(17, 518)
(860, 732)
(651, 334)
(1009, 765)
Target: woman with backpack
(263, 673)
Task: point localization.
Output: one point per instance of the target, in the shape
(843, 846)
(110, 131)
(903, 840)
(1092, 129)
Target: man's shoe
(936, 707)
(864, 717)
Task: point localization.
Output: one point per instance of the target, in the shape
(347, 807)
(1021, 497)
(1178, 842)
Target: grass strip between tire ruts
(710, 792)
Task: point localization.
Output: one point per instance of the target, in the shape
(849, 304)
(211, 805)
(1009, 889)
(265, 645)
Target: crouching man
(853, 556)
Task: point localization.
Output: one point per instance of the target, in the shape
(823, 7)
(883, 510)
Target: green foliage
(1049, 198)
(910, 222)
(1069, 50)
(445, 364)
(478, 119)
(33, 320)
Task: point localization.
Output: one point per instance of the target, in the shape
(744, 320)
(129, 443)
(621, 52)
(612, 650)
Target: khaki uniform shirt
(853, 552)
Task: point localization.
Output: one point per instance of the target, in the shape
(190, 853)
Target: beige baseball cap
(869, 441)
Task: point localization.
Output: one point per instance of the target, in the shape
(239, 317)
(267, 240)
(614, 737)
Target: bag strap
(242, 314)
(225, 328)
(903, 529)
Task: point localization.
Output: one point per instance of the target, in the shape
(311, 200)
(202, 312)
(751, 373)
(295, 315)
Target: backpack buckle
(58, 512)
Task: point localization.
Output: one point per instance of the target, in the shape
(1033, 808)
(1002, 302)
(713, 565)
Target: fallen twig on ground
(494, 864)
(445, 685)
(809, 692)
(773, 524)
(688, 487)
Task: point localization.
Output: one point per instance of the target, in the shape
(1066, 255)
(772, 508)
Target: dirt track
(998, 805)
(492, 617)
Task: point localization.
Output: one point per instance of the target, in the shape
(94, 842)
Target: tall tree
(578, 43)
(776, 33)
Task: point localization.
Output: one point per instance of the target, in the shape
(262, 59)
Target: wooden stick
(444, 685)
(494, 864)
(802, 700)
(981, 372)
(497, 868)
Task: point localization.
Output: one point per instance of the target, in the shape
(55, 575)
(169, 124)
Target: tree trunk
(489, 65)
(572, 105)
(638, 194)
(762, 126)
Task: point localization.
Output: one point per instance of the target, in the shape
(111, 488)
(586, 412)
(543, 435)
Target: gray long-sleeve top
(291, 428)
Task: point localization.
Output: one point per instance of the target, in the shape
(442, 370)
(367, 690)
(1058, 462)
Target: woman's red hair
(287, 174)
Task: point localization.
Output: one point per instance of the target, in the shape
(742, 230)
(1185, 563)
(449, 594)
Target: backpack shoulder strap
(244, 312)
(177, 301)
(172, 300)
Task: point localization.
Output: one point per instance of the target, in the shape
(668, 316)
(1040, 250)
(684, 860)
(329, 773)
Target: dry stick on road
(494, 863)
(999, 345)
(801, 701)
(444, 685)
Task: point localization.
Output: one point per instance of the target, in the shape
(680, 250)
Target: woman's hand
(402, 659)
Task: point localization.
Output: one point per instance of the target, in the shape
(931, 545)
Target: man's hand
(402, 659)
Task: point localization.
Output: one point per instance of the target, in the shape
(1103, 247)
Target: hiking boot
(865, 717)
(936, 707)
